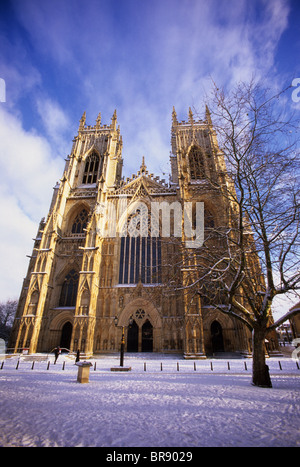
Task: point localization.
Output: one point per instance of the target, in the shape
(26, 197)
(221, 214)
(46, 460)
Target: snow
(152, 408)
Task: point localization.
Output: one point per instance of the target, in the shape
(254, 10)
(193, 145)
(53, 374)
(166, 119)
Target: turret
(82, 121)
(207, 115)
(98, 121)
(114, 120)
(174, 117)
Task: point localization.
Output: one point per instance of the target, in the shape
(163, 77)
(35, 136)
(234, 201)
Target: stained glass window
(91, 169)
(80, 222)
(140, 255)
(69, 289)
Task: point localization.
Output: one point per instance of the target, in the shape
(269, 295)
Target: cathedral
(112, 255)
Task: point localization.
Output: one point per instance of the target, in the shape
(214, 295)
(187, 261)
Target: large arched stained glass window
(91, 169)
(69, 289)
(140, 259)
(140, 255)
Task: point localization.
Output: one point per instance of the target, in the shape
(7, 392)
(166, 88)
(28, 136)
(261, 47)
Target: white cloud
(28, 172)
(17, 231)
(55, 121)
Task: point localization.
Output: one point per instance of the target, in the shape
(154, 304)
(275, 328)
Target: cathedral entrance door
(147, 337)
(217, 337)
(133, 338)
(66, 334)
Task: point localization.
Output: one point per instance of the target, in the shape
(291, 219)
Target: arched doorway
(147, 337)
(133, 338)
(141, 311)
(217, 337)
(66, 334)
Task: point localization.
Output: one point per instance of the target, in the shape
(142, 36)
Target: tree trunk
(260, 371)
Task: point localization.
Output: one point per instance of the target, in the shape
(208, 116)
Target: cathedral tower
(199, 171)
(60, 289)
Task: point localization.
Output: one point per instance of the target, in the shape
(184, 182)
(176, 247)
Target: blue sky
(141, 57)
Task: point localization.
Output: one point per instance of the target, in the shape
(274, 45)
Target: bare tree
(259, 256)
(7, 314)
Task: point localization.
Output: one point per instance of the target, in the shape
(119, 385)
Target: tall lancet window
(91, 169)
(69, 289)
(80, 222)
(140, 253)
(196, 163)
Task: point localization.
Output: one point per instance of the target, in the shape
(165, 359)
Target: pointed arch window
(196, 163)
(140, 255)
(91, 169)
(34, 299)
(80, 222)
(69, 289)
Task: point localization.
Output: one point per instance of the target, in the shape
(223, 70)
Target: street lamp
(116, 320)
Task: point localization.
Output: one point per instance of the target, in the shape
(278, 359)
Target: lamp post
(116, 320)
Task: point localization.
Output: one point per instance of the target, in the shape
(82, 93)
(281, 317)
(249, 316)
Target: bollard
(280, 365)
(161, 367)
(245, 366)
(145, 366)
(194, 366)
(228, 365)
(83, 372)
(2, 364)
(211, 366)
(177, 366)
(18, 364)
(63, 366)
(48, 365)
(32, 366)
(95, 366)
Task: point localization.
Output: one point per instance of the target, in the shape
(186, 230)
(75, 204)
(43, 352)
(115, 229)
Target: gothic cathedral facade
(88, 279)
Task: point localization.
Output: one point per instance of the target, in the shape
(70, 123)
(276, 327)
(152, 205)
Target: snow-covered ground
(194, 406)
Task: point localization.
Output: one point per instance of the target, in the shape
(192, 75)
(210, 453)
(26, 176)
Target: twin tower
(84, 285)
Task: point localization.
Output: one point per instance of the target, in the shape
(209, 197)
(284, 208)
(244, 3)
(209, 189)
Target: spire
(98, 121)
(191, 117)
(82, 121)
(207, 115)
(174, 116)
(143, 166)
(114, 120)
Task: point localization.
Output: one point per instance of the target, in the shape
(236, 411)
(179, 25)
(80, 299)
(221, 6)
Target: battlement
(83, 127)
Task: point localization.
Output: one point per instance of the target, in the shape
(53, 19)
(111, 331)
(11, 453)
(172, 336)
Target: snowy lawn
(168, 408)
